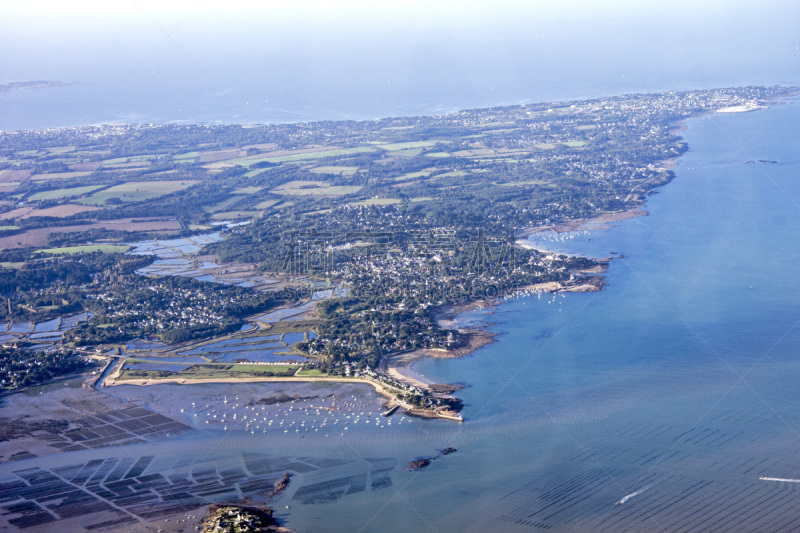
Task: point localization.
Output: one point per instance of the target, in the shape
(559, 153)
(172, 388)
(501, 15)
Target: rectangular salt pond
(291, 338)
(212, 279)
(179, 262)
(139, 345)
(280, 314)
(49, 325)
(69, 322)
(47, 336)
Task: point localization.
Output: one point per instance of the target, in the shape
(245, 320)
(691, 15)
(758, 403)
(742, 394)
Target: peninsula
(319, 251)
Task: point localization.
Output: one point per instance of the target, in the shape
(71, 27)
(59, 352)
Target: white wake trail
(632, 494)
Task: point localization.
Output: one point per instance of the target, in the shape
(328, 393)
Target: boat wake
(632, 494)
(762, 478)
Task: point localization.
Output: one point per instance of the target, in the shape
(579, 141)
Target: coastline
(602, 221)
(381, 388)
(398, 366)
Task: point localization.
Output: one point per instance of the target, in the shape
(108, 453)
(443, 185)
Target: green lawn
(247, 190)
(377, 201)
(105, 248)
(414, 175)
(248, 162)
(312, 372)
(64, 193)
(266, 204)
(187, 157)
(406, 145)
(136, 191)
(235, 214)
(59, 175)
(315, 188)
(130, 159)
(223, 205)
(206, 371)
(339, 171)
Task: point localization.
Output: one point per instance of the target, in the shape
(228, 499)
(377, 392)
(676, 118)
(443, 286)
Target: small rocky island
(418, 464)
(241, 519)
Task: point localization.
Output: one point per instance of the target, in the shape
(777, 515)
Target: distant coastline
(36, 84)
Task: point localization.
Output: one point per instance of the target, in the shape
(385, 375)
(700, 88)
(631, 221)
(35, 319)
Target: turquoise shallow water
(671, 391)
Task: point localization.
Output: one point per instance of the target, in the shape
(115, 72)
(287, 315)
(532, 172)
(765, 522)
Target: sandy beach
(741, 108)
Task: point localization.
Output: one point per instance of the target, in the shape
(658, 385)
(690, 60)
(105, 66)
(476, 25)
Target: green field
(438, 154)
(378, 201)
(574, 144)
(315, 188)
(64, 193)
(205, 371)
(105, 248)
(188, 157)
(406, 145)
(8, 228)
(255, 172)
(311, 372)
(136, 191)
(523, 183)
(248, 162)
(59, 176)
(453, 174)
(292, 326)
(130, 159)
(223, 205)
(247, 190)
(244, 369)
(414, 175)
(338, 171)
(266, 204)
(58, 150)
(340, 190)
(235, 214)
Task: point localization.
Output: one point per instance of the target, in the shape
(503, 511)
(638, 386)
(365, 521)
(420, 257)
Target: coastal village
(410, 216)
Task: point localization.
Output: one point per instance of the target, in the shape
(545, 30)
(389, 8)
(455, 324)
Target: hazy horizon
(235, 61)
